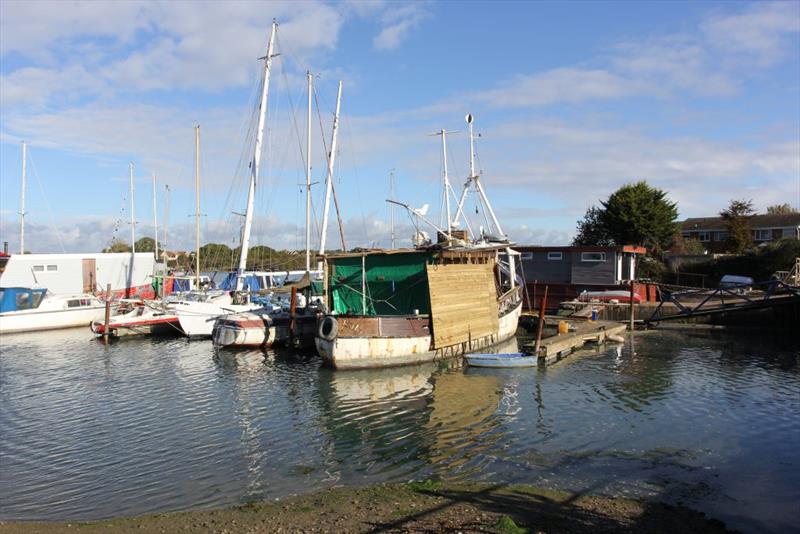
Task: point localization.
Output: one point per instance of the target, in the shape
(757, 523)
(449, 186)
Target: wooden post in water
(540, 326)
(108, 313)
(630, 325)
(292, 309)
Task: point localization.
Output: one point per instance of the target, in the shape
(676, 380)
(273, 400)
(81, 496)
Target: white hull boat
(31, 310)
(138, 317)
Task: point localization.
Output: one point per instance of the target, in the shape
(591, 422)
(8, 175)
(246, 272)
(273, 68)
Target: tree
(635, 214)
(216, 257)
(145, 244)
(737, 220)
(117, 246)
(591, 232)
(781, 209)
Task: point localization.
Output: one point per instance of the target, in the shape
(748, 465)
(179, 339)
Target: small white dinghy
(515, 359)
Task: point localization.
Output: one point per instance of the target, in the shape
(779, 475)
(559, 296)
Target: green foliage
(591, 232)
(506, 525)
(117, 246)
(737, 220)
(424, 485)
(689, 246)
(637, 214)
(651, 268)
(145, 244)
(781, 209)
(217, 257)
(759, 263)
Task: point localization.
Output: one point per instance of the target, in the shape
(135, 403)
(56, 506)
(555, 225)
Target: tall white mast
(329, 177)
(133, 212)
(391, 206)
(308, 177)
(165, 237)
(155, 218)
(197, 206)
(254, 167)
(22, 199)
(443, 133)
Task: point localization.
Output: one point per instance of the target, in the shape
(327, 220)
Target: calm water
(89, 431)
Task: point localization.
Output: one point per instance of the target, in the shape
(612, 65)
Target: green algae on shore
(414, 507)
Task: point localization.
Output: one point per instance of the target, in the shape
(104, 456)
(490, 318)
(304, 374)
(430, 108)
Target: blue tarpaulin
(180, 285)
(251, 282)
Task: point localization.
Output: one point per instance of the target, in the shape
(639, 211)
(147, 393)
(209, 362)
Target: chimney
(5, 247)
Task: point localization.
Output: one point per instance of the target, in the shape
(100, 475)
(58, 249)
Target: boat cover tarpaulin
(251, 282)
(396, 284)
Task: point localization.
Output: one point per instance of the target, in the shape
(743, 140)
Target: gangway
(735, 298)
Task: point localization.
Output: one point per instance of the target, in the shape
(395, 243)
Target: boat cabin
(20, 298)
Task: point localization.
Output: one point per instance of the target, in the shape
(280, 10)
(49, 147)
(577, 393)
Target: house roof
(768, 220)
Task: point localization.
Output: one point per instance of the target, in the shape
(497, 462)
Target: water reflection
(90, 430)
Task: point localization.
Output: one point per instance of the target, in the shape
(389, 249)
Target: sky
(571, 101)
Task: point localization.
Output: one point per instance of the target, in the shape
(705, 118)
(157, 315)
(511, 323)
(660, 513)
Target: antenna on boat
(254, 166)
(22, 199)
(474, 177)
(329, 177)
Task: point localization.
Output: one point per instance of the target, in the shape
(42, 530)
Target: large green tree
(145, 244)
(635, 214)
(737, 220)
(117, 246)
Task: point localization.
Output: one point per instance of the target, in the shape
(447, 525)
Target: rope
(46, 202)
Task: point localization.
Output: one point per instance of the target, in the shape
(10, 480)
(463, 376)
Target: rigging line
(46, 202)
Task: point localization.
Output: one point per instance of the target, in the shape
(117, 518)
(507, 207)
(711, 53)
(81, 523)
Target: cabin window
(555, 255)
(704, 237)
(23, 301)
(52, 268)
(73, 303)
(526, 256)
(38, 268)
(593, 256)
(36, 299)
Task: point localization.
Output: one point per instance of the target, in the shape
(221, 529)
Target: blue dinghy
(516, 359)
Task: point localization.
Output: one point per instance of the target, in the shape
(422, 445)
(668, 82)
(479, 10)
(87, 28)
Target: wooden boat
(25, 309)
(413, 306)
(517, 359)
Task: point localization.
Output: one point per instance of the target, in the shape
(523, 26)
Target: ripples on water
(146, 425)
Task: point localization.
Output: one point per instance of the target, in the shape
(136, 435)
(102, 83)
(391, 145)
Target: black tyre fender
(328, 328)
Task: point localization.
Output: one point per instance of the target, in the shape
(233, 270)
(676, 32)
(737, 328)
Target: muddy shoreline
(413, 507)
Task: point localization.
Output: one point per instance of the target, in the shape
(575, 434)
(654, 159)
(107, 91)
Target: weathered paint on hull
(375, 351)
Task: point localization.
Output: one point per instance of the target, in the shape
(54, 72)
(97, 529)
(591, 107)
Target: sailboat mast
(308, 176)
(22, 199)
(471, 176)
(197, 206)
(329, 177)
(133, 211)
(391, 206)
(254, 167)
(155, 218)
(446, 181)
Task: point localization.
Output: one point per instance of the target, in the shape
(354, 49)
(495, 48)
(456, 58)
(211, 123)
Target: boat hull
(252, 329)
(501, 361)
(398, 344)
(196, 319)
(36, 320)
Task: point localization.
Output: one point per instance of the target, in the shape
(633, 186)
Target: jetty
(556, 347)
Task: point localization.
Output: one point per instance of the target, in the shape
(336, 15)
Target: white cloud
(398, 22)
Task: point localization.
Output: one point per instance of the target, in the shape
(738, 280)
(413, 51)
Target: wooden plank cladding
(463, 302)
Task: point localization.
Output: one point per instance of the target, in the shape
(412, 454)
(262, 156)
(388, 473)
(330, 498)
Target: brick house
(713, 233)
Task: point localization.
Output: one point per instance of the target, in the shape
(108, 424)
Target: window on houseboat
(526, 256)
(38, 268)
(52, 268)
(704, 237)
(555, 256)
(593, 256)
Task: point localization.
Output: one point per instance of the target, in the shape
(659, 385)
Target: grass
(506, 525)
(424, 485)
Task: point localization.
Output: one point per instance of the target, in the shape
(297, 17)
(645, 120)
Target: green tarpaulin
(396, 284)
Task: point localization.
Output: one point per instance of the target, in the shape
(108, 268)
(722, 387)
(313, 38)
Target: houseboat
(409, 306)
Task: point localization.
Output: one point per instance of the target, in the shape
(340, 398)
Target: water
(150, 425)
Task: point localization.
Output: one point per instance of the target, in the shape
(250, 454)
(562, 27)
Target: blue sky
(572, 100)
